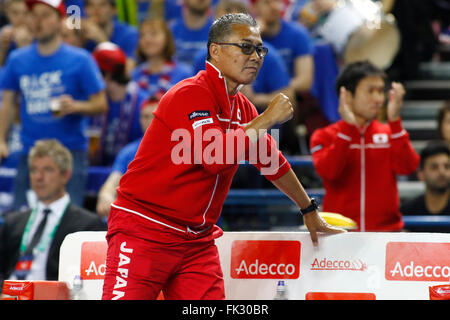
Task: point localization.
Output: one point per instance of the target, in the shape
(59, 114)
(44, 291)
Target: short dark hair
(353, 73)
(221, 27)
(433, 148)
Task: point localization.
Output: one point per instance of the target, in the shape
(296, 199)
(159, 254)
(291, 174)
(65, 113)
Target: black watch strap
(312, 207)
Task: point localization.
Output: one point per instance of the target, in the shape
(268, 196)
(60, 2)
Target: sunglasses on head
(248, 48)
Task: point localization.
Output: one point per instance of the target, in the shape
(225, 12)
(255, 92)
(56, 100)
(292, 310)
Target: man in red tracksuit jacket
(161, 228)
(359, 157)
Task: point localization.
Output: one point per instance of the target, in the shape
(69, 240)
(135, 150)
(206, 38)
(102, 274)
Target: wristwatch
(313, 206)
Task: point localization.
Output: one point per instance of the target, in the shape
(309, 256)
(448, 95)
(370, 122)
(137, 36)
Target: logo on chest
(380, 138)
(199, 114)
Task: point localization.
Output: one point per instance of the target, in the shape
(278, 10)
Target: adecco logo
(417, 261)
(264, 259)
(93, 260)
(338, 265)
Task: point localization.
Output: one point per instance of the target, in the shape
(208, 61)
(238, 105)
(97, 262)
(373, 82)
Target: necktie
(38, 234)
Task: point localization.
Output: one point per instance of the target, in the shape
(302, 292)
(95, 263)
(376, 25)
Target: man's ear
(349, 98)
(67, 175)
(214, 50)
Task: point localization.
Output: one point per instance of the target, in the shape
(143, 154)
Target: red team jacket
(188, 195)
(358, 168)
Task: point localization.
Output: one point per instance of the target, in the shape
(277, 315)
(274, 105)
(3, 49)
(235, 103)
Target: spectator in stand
(58, 86)
(120, 125)
(298, 58)
(107, 193)
(100, 26)
(168, 10)
(30, 240)
(158, 71)
(444, 123)
(359, 157)
(434, 171)
(191, 30)
(17, 33)
(297, 55)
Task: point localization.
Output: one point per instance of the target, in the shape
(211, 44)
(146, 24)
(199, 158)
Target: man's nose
(378, 97)
(36, 175)
(255, 56)
(443, 170)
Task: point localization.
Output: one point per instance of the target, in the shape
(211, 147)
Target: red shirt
(358, 167)
(172, 179)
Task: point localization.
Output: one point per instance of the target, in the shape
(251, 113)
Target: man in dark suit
(30, 240)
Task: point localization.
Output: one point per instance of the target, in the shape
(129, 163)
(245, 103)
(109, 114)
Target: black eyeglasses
(248, 48)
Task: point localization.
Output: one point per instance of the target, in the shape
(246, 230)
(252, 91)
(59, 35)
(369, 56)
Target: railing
(427, 223)
(242, 198)
(263, 198)
(97, 175)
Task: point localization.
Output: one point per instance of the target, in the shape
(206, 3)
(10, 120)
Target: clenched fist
(279, 110)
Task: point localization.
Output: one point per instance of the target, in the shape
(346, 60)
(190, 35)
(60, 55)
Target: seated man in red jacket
(161, 228)
(359, 157)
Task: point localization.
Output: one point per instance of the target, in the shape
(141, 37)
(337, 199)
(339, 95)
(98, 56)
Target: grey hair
(222, 27)
(54, 149)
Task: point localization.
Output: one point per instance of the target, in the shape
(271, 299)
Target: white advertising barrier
(84, 253)
(383, 266)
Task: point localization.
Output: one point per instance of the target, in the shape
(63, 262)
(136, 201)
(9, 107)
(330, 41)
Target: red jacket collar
(219, 84)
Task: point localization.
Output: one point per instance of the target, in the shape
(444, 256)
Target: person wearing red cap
(120, 125)
(58, 86)
(58, 5)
